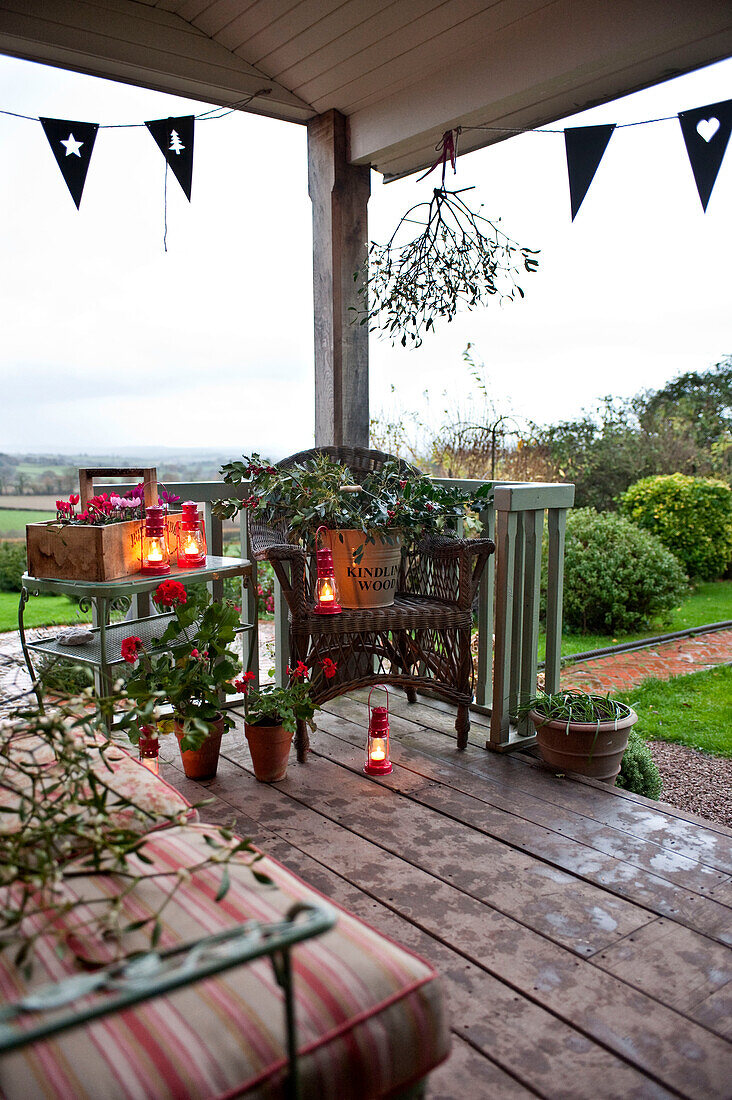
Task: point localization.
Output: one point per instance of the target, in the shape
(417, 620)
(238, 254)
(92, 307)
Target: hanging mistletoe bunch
(459, 256)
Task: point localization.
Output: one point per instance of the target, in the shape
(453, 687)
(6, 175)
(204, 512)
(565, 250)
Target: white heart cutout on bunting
(707, 127)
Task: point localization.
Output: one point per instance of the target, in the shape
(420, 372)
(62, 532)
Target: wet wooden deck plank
(604, 1008)
(610, 874)
(473, 772)
(687, 835)
(514, 1037)
(623, 807)
(672, 963)
(363, 843)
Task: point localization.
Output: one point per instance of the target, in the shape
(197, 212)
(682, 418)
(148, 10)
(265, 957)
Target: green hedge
(12, 565)
(617, 578)
(692, 516)
(638, 773)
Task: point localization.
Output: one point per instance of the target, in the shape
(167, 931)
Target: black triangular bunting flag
(706, 132)
(72, 144)
(585, 146)
(174, 138)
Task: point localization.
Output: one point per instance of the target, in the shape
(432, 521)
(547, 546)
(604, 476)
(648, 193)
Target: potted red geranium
(192, 673)
(271, 716)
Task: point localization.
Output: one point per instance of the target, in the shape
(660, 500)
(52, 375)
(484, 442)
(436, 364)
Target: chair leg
(411, 694)
(462, 725)
(302, 741)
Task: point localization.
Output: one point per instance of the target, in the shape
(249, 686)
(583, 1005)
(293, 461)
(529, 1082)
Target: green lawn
(709, 602)
(13, 521)
(39, 611)
(693, 710)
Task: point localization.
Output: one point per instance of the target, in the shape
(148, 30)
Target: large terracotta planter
(202, 763)
(269, 746)
(586, 748)
(366, 573)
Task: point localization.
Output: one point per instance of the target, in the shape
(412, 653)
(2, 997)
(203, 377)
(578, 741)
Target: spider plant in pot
(193, 673)
(581, 733)
(271, 717)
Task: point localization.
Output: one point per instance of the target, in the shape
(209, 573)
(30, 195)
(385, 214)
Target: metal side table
(103, 651)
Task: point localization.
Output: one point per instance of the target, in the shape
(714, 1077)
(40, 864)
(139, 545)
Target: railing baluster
(486, 595)
(557, 522)
(249, 604)
(533, 530)
(517, 618)
(505, 557)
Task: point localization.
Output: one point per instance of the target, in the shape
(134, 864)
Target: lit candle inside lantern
(155, 558)
(191, 538)
(325, 588)
(377, 745)
(378, 749)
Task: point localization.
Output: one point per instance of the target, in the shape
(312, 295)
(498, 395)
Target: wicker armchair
(422, 641)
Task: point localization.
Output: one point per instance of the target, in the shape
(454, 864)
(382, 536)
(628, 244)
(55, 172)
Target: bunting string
(705, 131)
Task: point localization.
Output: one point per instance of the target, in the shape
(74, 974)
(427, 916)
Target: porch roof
(401, 72)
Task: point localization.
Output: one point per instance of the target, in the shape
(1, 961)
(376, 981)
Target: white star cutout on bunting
(72, 146)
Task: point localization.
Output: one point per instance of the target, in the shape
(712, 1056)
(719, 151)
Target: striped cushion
(369, 1014)
(153, 798)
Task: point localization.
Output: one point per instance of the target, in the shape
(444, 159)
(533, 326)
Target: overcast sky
(108, 341)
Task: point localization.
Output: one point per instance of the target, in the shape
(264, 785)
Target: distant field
(13, 522)
(33, 469)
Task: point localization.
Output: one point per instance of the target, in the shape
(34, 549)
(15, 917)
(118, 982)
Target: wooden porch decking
(584, 935)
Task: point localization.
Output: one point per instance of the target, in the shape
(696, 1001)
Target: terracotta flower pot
(202, 763)
(269, 746)
(586, 748)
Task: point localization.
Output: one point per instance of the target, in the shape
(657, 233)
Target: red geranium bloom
(170, 594)
(131, 648)
(299, 672)
(242, 684)
(329, 668)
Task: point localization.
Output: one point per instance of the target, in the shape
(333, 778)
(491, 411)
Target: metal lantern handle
(378, 687)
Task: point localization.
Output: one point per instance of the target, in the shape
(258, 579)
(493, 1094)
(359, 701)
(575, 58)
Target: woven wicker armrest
(446, 546)
(467, 556)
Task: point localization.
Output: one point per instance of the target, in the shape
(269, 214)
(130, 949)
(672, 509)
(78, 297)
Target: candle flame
(151, 763)
(154, 553)
(377, 751)
(326, 593)
(191, 547)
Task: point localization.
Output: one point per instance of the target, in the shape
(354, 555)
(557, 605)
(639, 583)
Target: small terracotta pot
(269, 746)
(202, 763)
(586, 748)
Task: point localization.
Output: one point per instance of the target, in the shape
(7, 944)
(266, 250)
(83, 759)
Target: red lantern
(377, 746)
(326, 597)
(155, 557)
(191, 538)
(149, 748)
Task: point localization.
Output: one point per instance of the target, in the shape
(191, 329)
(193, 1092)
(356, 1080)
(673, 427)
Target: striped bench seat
(370, 1017)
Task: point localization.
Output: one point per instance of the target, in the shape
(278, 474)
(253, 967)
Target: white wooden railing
(508, 600)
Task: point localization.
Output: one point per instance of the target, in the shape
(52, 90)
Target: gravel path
(695, 782)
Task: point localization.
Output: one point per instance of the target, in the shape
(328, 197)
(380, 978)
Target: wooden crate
(85, 552)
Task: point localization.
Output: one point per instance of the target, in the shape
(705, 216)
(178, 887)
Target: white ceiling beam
(137, 44)
(566, 57)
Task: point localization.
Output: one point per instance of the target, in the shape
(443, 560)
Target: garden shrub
(12, 565)
(638, 773)
(617, 577)
(692, 516)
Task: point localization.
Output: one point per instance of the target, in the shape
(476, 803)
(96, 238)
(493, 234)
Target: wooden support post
(339, 192)
(505, 560)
